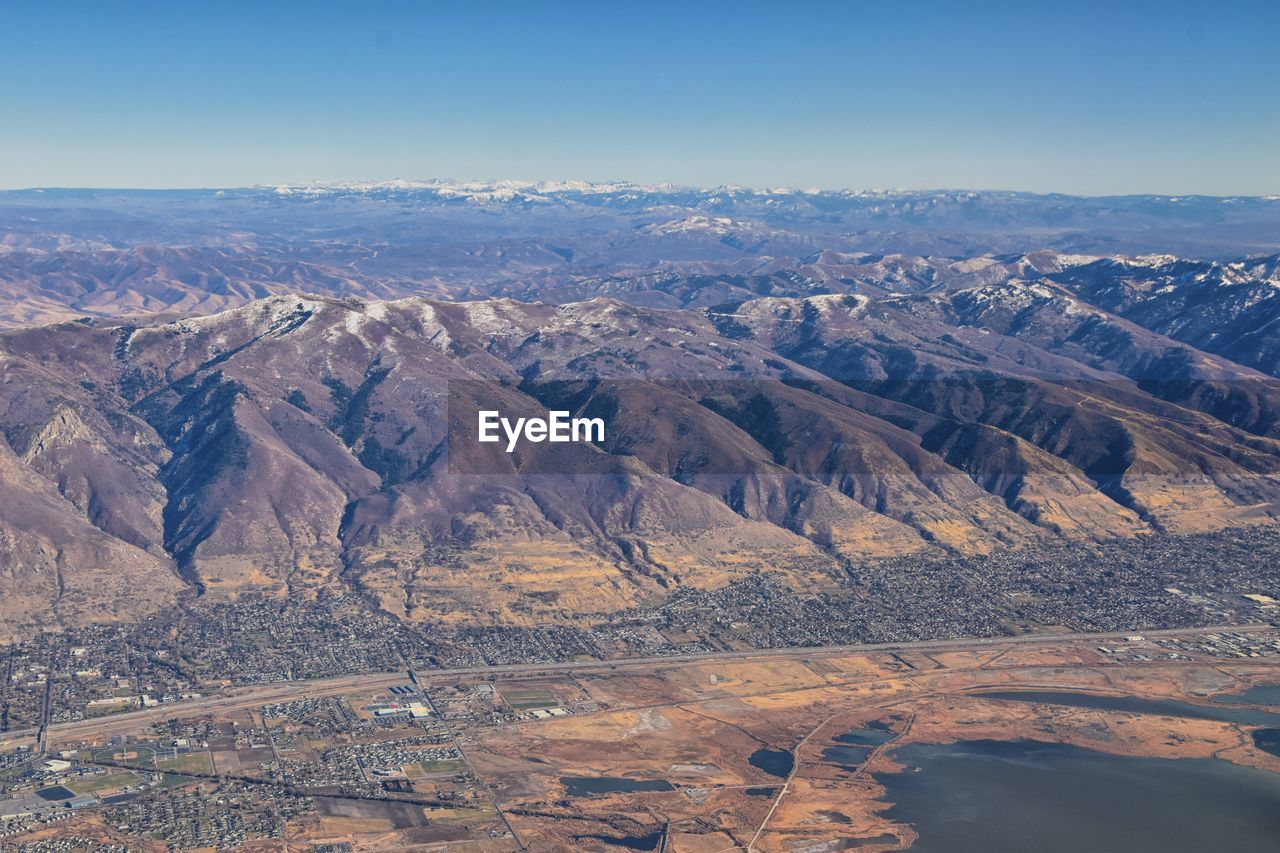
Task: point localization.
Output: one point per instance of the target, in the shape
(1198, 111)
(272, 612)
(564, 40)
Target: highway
(244, 698)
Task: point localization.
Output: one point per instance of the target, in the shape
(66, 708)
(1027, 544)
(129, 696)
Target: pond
(846, 756)
(587, 786)
(873, 735)
(775, 762)
(56, 793)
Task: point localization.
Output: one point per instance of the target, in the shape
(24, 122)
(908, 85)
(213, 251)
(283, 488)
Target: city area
(328, 725)
(736, 750)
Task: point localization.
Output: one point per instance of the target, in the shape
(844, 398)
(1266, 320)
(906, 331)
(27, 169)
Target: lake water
(1137, 705)
(846, 756)
(1018, 796)
(872, 735)
(775, 762)
(1261, 694)
(1267, 740)
(586, 786)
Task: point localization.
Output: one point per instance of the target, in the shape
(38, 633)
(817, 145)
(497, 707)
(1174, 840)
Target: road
(457, 745)
(284, 691)
(786, 785)
(235, 699)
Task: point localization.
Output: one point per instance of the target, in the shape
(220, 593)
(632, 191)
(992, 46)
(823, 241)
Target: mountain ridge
(260, 393)
(299, 442)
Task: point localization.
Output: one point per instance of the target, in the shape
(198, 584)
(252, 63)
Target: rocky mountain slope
(297, 442)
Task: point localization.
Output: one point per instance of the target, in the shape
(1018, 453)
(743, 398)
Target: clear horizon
(1103, 99)
(655, 185)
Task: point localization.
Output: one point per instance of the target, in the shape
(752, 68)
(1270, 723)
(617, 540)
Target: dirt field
(697, 727)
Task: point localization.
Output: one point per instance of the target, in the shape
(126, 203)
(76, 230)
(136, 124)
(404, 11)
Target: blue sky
(1098, 98)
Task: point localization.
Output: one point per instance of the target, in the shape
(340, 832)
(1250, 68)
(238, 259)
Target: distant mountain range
(112, 253)
(261, 391)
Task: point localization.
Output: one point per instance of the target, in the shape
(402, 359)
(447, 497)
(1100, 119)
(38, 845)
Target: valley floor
(784, 750)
